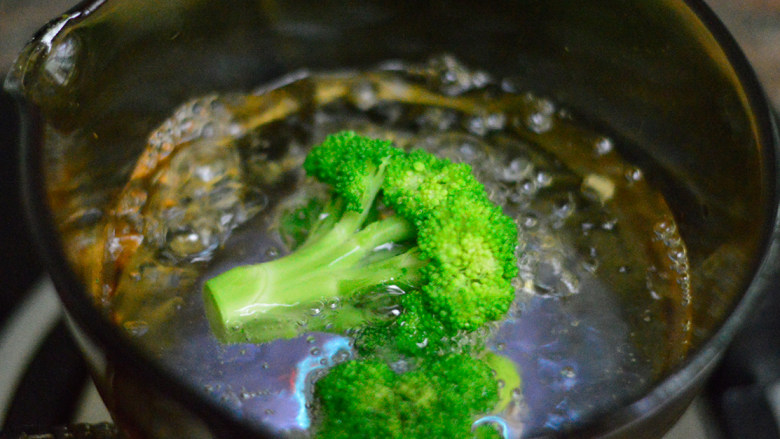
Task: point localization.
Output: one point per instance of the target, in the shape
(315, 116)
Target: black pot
(664, 76)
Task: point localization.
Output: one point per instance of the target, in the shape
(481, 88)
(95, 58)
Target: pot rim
(224, 423)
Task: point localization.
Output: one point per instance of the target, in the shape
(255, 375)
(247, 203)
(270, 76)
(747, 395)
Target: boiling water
(602, 306)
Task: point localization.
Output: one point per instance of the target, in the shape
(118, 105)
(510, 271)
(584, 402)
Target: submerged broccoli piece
(440, 237)
(443, 396)
(439, 399)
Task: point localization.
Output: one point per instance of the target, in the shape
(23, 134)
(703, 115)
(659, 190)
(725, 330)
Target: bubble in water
(136, 328)
(528, 186)
(603, 145)
(189, 244)
(529, 221)
(209, 130)
(538, 116)
(539, 122)
(467, 151)
(453, 78)
(551, 278)
(543, 179)
(202, 117)
(516, 170)
(60, 65)
(341, 356)
(563, 208)
(438, 119)
(677, 256)
(609, 224)
(666, 232)
(591, 260)
(510, 85)
(481, 125)
(476, 125)
(207, 173)
(633, 174)
(364, 96)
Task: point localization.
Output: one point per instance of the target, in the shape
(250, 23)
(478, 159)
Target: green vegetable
(508, 377)
(393, 219)
(439, 399)
(437, 235)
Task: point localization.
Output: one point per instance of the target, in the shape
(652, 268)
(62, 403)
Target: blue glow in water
(503, 427)
(311, 363)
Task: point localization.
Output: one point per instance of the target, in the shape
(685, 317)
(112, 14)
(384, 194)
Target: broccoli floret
(416, 332)
(468, 277)
(437, 399)
(486, 431)
(439, 236)
(419, 182)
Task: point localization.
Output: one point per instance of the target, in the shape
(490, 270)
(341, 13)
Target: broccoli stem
(256, 302)
(333, 220)
(507, 374)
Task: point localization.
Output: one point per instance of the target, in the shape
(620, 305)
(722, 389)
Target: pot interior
(676, 105)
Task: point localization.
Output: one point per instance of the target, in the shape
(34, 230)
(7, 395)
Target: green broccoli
(393, 218)
(437, 399)
(436, 234)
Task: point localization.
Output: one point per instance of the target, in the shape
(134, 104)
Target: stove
(44, 381)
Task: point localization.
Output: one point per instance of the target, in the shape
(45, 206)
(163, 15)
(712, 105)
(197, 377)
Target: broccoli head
(418, 183)
(438, 399)
(436, 234)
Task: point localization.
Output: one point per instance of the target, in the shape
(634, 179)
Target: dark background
(19, 265)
